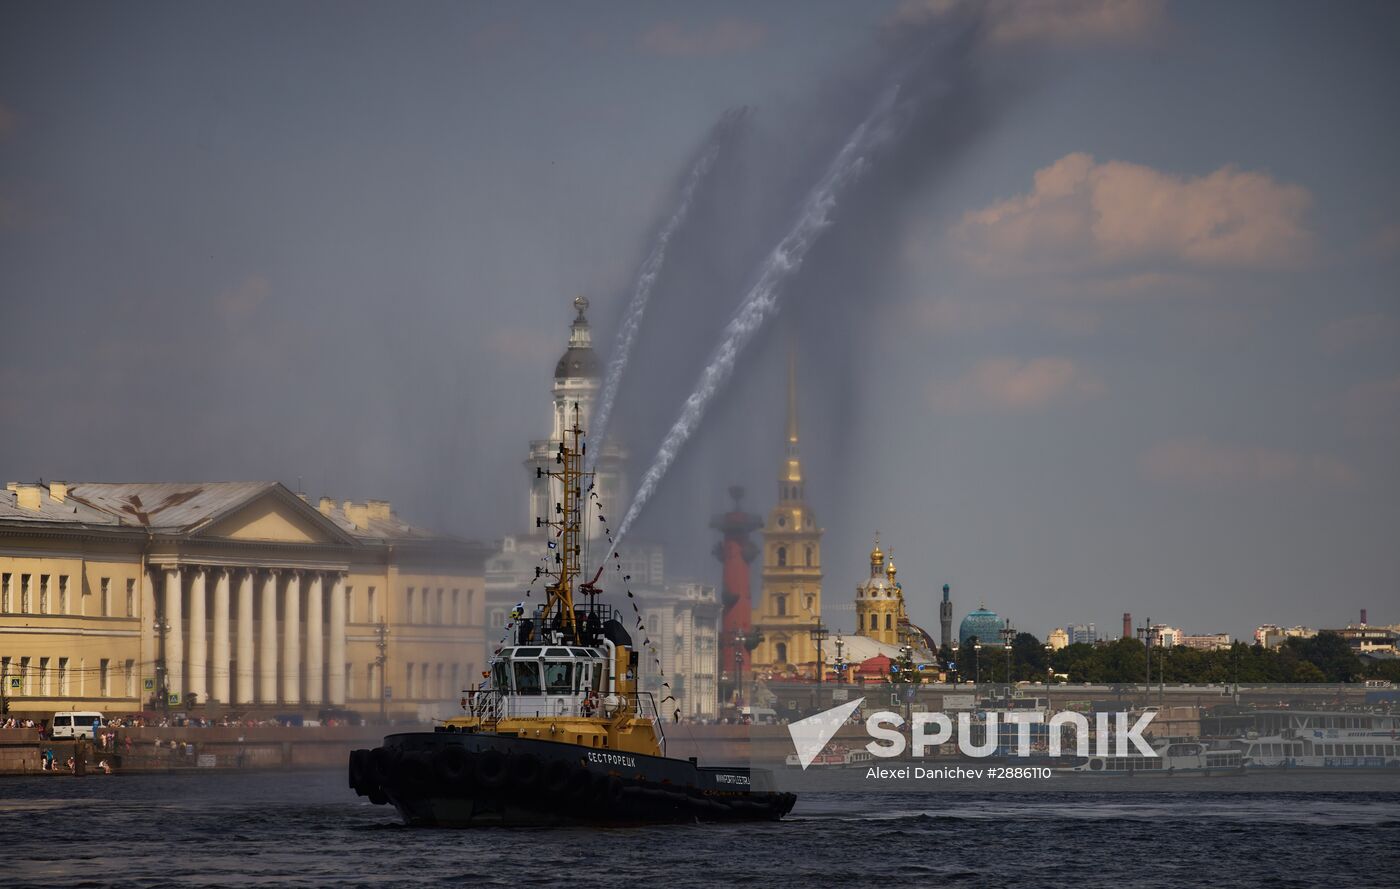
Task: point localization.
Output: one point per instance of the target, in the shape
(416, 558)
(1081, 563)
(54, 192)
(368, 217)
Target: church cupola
(579, 360)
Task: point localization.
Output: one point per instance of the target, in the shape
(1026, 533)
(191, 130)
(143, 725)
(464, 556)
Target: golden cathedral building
(790, 602)
(880, 610)
(229, 595)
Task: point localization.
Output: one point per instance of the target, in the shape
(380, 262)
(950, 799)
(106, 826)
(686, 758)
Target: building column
(336, 668)
(291, 640)
(315, 654)
(221, 661)
(244, 690)
(196, 680)
(174, 634)
(267, 648)
(150, 650)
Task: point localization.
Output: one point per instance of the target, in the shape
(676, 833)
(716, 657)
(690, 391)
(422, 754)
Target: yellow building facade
(790, 602)
(229, 596)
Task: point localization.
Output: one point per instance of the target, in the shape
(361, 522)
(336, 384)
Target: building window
(441, 673)
(441, 615)
(809, 557)
(781, 603)
(874, 621)
(5, 592)
(373, 605)
(888, 618)
(24, 675)
(25, 584)
(43, 594)
(423, 690)
(782, 556)
(408, 608)
(106, 584)
(780, 652)
(129, 671)
(457, 607)
(44, 676)
(104, 688)
(456, 678)
(349, 606)
(63, 594)
(369, 681)
(408, 680)
(349, 682)
(471, 606)
(130, 601)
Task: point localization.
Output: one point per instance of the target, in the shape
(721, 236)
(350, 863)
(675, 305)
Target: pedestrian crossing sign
(174, 697)
(148, 684)
(15, 683)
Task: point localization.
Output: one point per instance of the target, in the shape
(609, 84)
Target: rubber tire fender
(359, 762)
(555, 779)
(525, 770)
(452, 765)
(381, 761)
(491, 768)
(580, 784)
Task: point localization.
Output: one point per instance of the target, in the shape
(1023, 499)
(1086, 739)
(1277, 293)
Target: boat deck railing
(491, 705)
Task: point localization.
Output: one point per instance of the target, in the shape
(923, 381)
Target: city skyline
(1037, 390)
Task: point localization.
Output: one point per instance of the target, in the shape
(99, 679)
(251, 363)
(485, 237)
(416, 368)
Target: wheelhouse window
(527, 677)
(559, 677)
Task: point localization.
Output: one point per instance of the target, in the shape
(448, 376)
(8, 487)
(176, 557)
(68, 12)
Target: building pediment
(277, 516)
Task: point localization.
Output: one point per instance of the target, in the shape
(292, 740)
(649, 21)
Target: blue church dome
(985, 625)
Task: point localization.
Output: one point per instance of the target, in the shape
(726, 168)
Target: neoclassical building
(238, 595)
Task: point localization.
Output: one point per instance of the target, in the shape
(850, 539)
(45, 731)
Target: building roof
(167, 507)
(181, 508)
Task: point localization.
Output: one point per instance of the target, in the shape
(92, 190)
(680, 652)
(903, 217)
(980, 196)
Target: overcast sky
(1118, 332)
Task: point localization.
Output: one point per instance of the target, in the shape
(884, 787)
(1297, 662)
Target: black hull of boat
(452, 779)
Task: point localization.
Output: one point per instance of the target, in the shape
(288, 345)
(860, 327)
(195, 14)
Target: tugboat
(560, 734)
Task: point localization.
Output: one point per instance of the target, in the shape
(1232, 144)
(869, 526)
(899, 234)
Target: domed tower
(576, 382)
(879, 602)
(790, 604)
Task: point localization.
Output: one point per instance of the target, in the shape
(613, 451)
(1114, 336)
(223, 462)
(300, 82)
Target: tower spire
(791, 479)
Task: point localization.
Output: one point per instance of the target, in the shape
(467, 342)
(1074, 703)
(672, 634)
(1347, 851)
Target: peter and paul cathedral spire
(789, 606)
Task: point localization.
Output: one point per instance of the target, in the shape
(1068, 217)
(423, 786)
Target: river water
(307, 829)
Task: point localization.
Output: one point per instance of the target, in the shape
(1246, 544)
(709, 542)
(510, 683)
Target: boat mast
(565, 525)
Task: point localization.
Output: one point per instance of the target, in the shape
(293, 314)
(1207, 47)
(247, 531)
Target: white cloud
(1010, 384)
(726, 36)
(1081, 213)
(1199, 461)
(1048, 21)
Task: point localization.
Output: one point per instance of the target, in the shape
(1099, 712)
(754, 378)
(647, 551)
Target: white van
(76, 725)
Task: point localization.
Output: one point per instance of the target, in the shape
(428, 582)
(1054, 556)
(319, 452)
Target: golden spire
(792, 474)
(889, 568)
(877, 557)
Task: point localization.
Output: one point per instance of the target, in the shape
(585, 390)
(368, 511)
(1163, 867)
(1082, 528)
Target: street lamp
(739, 642)
(840, 659)
(819, 634)
(1007, 634)
(1144, 633)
